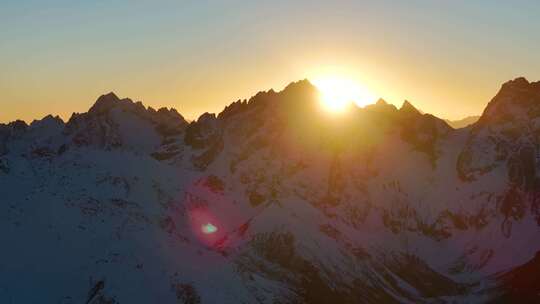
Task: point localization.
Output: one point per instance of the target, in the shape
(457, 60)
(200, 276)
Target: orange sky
(448, 59)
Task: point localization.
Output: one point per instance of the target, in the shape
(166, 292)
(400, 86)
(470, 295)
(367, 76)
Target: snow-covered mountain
(273, 201)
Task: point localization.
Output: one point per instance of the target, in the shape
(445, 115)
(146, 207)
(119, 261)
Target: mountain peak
(381, 106)
(48, 120)
(303, 83)
(408, 108)
(104, 103)
(515, 98)
(381, 102)
(109, 97)
(520, 82)
(300, 88)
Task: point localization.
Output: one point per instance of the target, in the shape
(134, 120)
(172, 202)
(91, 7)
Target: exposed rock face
(203, 133)
(507, 132)
(9, 132)
(378, 205)
(517, 99)
(120, 123)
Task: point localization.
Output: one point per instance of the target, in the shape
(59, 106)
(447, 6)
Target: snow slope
(271, 201)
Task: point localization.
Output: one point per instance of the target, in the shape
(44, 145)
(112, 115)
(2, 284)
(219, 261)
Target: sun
(339, 93)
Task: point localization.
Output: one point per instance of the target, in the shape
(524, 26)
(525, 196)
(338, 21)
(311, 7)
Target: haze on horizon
(448, 58)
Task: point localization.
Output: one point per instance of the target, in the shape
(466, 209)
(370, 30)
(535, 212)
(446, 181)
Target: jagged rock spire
(104, 103)
(408, 108)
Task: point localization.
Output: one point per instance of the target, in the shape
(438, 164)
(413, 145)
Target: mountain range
(273, 201)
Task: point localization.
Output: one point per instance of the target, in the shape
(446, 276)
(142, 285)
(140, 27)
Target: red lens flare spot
(208, 228)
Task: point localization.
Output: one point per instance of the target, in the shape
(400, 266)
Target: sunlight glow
(338, 93)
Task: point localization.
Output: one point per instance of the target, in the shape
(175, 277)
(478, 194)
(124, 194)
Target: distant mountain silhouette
(464, 122)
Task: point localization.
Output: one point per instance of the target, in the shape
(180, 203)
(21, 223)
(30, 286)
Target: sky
(448, 58)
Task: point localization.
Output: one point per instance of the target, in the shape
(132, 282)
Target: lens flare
(205, 226)
(208, 228)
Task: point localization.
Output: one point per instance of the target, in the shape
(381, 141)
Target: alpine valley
(273, 201)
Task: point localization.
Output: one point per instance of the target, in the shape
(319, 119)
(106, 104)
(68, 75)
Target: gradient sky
(447, 57)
